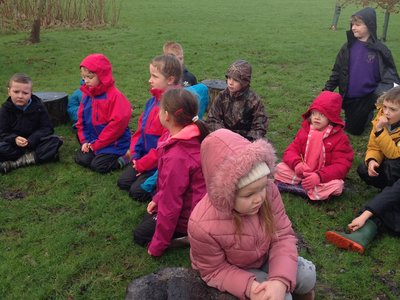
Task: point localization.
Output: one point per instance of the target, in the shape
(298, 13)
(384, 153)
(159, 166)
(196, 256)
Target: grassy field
(65, 232)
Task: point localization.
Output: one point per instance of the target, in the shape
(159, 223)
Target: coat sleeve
(260, 121)
(136, 147)
(294, 152)
(387, 146)
(175, 177)
(373, 150)
(6, 133)
(45, 127)
(333, 81)
(73, 104)
(342, 156)
(209, 258)
(118, 122)
(283, 256)
(215, 115)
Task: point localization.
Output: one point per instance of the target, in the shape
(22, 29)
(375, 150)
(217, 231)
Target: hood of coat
(226, 157)
(100, 65)
(328, 103)
(368, 15)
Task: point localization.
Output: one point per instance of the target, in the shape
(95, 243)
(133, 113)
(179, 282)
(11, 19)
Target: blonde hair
(173, 47)
(168, 65)
(392, 96)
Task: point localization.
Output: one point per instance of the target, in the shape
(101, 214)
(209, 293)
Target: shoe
(296, 189)
(180, 242)
(355, 241)
(5, 167)
(124, 160)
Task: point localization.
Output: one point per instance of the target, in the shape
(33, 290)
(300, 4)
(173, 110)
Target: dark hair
(20, 78)
(183, 106)
(168, 65)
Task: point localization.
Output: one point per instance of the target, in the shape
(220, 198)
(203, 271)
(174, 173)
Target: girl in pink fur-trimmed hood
(241, 239)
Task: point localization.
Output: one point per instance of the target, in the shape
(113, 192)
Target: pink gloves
(310, 180)
(300, 168)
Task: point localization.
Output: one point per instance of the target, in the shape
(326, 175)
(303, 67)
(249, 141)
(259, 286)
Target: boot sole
(343, 243)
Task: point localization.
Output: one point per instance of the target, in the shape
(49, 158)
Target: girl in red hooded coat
(317, 161)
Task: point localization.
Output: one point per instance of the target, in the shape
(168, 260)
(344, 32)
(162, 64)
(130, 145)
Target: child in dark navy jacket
(26, 132)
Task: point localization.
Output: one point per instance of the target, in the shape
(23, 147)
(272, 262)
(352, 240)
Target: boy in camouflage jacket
(238, 108)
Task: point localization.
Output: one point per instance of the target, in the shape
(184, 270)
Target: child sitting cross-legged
(317, 161)
(180, 182)
(26, 132)
(382, 159)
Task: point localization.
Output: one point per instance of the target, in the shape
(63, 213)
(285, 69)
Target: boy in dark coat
(382, 211)
(26, 132)
(363, 70)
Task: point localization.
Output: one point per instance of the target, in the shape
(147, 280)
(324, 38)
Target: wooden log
(56, 104)
(215, 86)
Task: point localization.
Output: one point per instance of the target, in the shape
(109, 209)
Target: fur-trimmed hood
(225, 158)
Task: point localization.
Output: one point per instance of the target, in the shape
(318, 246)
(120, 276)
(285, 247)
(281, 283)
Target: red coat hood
(101, 66)
(328, 103)
(225, 158)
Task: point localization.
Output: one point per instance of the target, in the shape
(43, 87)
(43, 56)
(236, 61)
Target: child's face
(178, 55)
(233, 85)
(158, 80)
(391, 110)
(20, 93)
(250, 198)
(90, 78)
(318, 120)
(360, 30)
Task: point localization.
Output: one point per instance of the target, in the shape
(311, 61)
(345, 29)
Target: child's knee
(306, 276)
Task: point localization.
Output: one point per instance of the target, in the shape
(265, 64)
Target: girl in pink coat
(317, 161)
(241, 239)
(180, 182)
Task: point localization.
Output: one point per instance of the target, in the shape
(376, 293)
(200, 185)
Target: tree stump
(56, 104)
(172, 284)
(215, 86)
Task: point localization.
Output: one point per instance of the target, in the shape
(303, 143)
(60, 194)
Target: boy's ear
(171, 80)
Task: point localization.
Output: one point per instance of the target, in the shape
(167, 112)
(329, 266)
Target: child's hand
(310, 180)
(152, 207)
(382, 122)
(134, 166)
(356, 224)
(85, 147)
(270, 289)
(300, 168)
(372, 166)
(21, 141)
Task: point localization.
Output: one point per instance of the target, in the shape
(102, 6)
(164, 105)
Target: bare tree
(35, 31)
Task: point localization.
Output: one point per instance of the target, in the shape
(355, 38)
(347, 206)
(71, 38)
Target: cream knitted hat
(258, 171)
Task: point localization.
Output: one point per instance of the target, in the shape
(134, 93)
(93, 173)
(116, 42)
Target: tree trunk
(35, 32)
(385, 25)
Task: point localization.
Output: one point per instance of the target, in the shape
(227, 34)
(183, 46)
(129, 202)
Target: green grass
(69, 236)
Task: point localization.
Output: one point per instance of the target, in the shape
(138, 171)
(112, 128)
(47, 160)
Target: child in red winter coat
(317, 161)
(103, 117)
(180, 182)
(165, 73)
